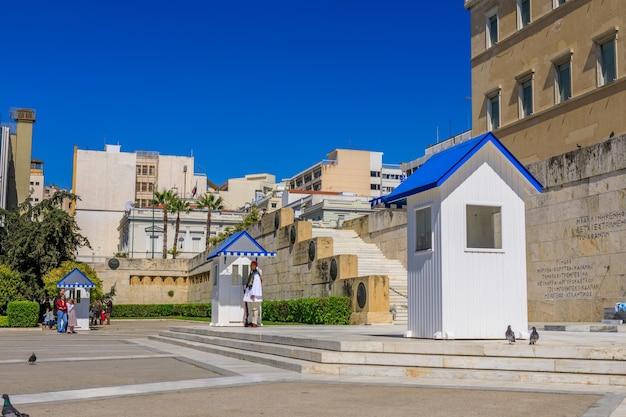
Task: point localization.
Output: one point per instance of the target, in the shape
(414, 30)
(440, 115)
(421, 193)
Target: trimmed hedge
(23, 313)
(326, 310)
(161, 310)
(4, 321)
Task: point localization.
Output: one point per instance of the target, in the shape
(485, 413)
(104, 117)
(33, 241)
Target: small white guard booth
(231, 265)
(466, 242)
(78, 287)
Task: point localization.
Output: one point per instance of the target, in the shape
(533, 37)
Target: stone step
(492, 360)
(371, 261)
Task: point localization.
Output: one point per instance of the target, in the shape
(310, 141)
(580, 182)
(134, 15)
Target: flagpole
(152, 234)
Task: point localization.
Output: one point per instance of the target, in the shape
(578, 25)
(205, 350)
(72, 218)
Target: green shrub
(326, 310)
(161, 310)
(4, 321)
(23, 313)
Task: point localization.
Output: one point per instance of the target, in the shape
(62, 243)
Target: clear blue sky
(246, 86)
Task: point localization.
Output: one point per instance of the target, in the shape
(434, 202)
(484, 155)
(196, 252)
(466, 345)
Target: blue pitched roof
(439, 167)
(240, 244)
(75, 279)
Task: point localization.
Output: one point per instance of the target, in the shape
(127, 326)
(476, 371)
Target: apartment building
(36, 181)
(347, 170)
(547, 75)
(108, 182)
(240, 193)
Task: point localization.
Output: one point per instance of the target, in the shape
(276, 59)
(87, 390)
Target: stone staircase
(371, 261)
(370, 351)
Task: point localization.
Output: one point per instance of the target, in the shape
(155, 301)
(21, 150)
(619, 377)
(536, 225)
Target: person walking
(253, 296)
(61, 307)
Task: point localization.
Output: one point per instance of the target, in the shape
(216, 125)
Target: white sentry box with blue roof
(466, 242)
(231, 265)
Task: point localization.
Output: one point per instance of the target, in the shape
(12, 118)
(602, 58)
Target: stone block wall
(576, 234)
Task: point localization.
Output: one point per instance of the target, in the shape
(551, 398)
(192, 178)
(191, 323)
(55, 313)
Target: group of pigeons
(510, 335)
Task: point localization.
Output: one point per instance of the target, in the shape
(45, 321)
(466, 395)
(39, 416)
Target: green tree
(36, 239)
(11, 287)
(178, 206)
(52, 277)
(164, 199)
(209, 202)
(251, 218)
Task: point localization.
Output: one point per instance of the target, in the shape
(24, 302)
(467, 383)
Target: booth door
(235, 303)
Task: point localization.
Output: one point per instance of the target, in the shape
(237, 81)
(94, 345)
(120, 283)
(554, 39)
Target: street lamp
(152, 234)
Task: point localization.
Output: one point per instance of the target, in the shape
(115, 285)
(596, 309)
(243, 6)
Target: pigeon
(534, 336)
(8, 410)
(32, 359)
(510, 335)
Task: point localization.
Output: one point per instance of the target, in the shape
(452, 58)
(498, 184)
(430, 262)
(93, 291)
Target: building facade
(239, 193)
(36, 181)
(346, 170)
(547, 75)
(109, 182)
(21, 144)
(141, 231)
(548, 79)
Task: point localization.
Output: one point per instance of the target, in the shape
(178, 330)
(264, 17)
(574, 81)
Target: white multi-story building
(141, 231)
(109, 182)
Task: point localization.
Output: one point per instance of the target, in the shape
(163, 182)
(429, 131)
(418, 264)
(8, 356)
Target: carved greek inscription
(567, 280)
(600, 225)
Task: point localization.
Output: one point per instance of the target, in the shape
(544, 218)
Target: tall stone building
(548, 79)
(21, 144)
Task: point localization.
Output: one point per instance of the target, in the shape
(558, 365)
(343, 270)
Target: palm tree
(210, 202)
(164, 199)
(178, 206)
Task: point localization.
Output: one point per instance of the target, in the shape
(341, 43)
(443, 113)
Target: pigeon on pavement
(510, 335)
(534, 336)
(8, 410)
(32, 359)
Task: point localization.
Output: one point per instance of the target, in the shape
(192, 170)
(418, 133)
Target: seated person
(49, 319)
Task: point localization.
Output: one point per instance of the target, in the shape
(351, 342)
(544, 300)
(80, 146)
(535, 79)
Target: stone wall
(576, 234)
(304, 267)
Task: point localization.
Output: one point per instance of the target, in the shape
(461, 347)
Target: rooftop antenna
(437, 132)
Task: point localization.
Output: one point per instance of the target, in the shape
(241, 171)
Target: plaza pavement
(117, 371)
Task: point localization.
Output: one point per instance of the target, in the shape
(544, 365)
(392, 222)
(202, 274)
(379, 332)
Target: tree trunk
(164, 233)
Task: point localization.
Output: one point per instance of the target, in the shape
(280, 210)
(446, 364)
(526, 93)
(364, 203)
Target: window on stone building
(525, 94)
(557, 3)
(492, 28)
(493, 110)
(484, 227)
(523, 13)
(423, 229)
(563, 81)
(607, 64)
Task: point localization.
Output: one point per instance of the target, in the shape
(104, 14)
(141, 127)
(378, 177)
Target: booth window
(484, 227)
(423, 229)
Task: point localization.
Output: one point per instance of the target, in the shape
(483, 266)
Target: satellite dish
(128, 205)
